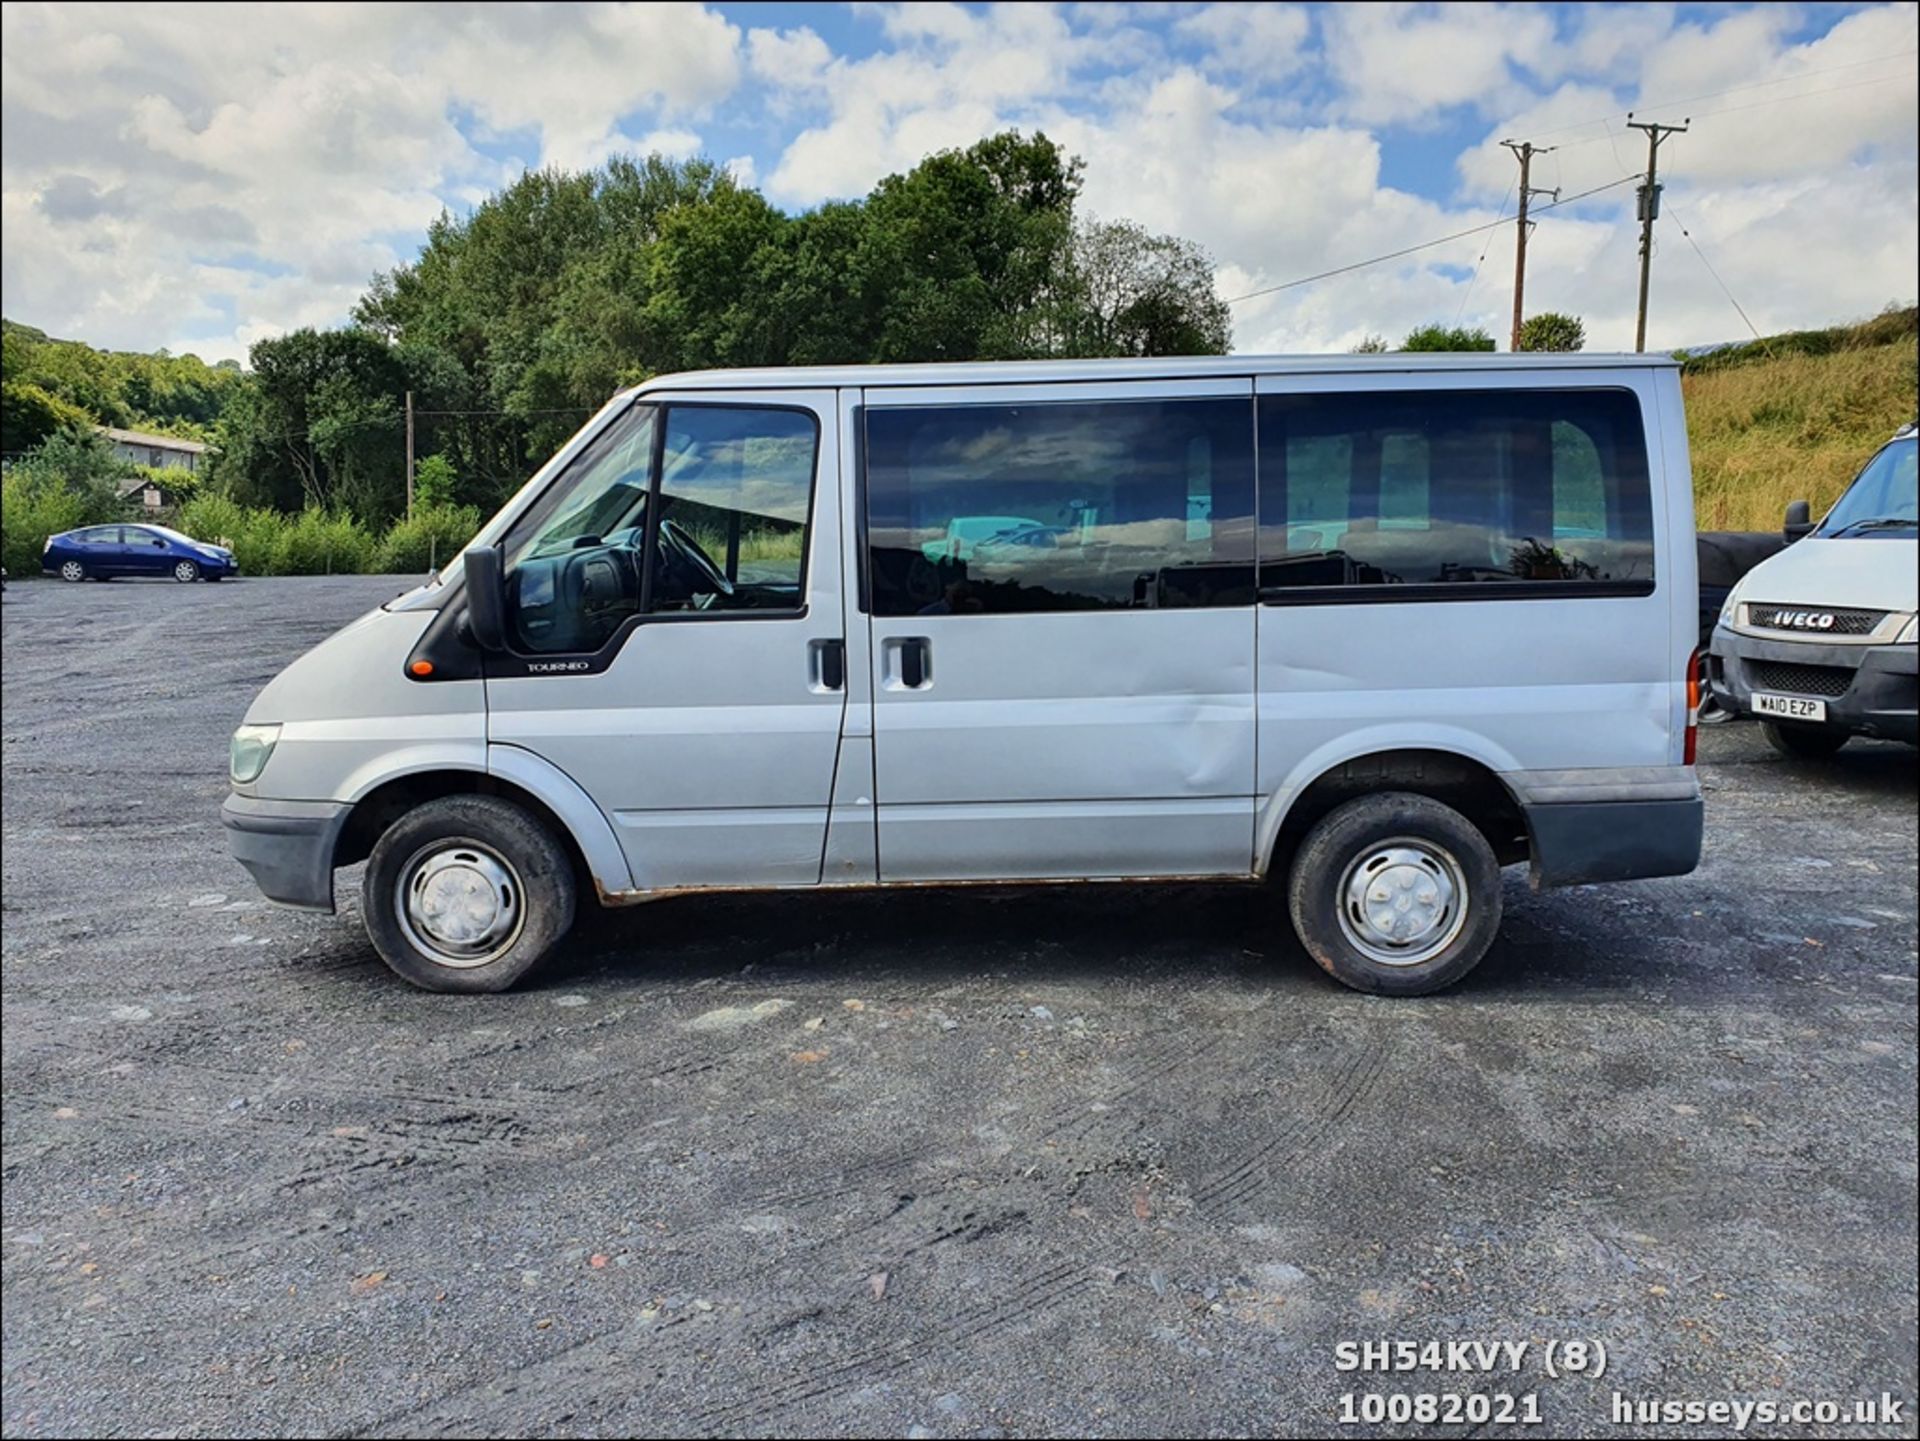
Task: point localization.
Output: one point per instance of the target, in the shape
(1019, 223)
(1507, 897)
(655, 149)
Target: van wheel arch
(1467, 785)
(386, 803)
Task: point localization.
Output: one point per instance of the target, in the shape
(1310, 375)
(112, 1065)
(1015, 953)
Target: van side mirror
(1799, 520)
(486, 597)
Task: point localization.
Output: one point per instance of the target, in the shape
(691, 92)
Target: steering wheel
(677, 545)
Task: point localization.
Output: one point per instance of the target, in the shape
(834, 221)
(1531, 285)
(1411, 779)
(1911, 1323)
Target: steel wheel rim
(73, 570)
(185, 570)
(1403, 901)
(460, 903)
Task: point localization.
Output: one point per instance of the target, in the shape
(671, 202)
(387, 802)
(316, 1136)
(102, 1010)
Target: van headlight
(247, 756)
(1910, 632)
(1730, 610)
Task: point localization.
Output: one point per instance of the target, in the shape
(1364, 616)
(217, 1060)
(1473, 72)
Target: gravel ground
(1078, 1160)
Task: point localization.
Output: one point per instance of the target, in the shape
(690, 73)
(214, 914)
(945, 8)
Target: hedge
(318, 542)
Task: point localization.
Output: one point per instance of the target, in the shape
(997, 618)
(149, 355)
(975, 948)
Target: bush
(1448, 337)
(33, 506)
(1552, 330)
(64, 483)
(433, 482)
(317, 543)
(433, 537)
(252, 535)
(182, 484)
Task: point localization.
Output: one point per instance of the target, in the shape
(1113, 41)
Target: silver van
(1374, 627)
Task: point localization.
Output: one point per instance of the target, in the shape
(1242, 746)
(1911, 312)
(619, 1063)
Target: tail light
(1693, 707)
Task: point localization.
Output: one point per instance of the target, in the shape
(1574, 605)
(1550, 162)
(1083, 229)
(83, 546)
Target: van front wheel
(467, 893)
(1396, 894)
(1804, 742)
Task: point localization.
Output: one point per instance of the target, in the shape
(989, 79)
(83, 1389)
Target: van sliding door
(1061, 594)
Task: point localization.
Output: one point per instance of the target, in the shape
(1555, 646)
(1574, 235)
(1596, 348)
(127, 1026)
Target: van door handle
(827, 664)
(908, 662)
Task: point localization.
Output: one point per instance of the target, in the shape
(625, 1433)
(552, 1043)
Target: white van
(1818, 642)
(1380, 626)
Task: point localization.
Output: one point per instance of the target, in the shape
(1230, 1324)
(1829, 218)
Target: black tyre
(467, 893)
(186, 571)
(1804, 743)
(1396, 894)
(72, 570)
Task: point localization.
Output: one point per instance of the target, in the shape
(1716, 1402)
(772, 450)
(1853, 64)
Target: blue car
(100, 552)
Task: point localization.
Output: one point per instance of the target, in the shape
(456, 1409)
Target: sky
(200, 177)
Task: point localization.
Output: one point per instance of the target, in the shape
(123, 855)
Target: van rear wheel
(1396, 894)
(467, 893)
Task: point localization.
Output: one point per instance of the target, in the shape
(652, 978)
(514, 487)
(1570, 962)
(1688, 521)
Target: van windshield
(1881, 500)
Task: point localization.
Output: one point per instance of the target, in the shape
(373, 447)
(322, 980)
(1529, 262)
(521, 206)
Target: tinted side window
(1445, 488)
(1113, 505)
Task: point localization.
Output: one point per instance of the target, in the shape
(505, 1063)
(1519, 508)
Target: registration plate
(1790, 707)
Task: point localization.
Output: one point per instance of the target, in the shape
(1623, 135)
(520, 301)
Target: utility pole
(1649, 197)
(1525, 150)
(409, 455)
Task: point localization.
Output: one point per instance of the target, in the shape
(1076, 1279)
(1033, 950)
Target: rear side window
(1111, 505)
(1451, 489)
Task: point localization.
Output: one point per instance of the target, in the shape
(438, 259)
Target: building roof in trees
(145, 437)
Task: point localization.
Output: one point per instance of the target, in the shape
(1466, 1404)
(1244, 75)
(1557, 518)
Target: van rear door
(1060, 581)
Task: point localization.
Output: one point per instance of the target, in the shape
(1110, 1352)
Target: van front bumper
(287, 846)
(1610, 824)
(1880, 695)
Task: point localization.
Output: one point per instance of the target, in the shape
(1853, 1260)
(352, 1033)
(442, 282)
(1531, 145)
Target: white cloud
(261, 163)
(1401, 62)
(1266, 41)
(207, 174)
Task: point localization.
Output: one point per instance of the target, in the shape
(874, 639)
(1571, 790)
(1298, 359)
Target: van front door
(1062, 595)
(674, 609)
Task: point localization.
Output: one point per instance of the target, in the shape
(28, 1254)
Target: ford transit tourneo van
(1818, 642)
(1376, 627)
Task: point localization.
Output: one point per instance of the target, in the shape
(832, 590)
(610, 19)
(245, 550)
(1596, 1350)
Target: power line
(1716, 277)
(1424, 245)
(516, 414)
(1733, 109)
(1474, 280)
(1739, 89)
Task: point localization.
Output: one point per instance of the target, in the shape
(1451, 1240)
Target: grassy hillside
(1794, 417)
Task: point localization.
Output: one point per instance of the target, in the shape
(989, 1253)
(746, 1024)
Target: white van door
(674, 605)
(1061, 597)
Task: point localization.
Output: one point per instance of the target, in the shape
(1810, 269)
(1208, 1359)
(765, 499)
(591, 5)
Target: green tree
(1552, 330)
(1371, 345)
(29, 415)
(434, 480)
(967, 251)
(321, 426)
(1135, 293)
(172, 394)
(1448, 337)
